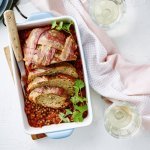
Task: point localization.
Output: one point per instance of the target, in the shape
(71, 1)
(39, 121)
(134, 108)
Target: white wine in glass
(122, 120)
(107, 12)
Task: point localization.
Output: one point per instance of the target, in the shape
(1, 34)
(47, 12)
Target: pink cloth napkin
(109, 73)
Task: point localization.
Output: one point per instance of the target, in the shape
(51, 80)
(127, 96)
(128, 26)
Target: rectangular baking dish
(42, 19)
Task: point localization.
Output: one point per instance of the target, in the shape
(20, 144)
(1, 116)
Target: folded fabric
(109, 73)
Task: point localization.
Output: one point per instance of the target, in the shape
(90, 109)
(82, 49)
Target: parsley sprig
(79, 84)
(62, 26)
(77, 114)
(64, 117)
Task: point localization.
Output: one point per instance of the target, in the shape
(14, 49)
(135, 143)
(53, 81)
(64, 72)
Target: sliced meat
(63, 68)
(53, 97)
(63, 81)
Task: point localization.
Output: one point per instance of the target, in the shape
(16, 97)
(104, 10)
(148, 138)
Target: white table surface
(132, 37)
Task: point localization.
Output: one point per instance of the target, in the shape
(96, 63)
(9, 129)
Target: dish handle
(59, 134)
(39, 15)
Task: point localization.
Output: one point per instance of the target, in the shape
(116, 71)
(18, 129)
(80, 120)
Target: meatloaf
(63, 81)
(53, 97)
(63, 68)
(44, 47)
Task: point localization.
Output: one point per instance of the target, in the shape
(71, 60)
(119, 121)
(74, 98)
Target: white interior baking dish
(63, 129)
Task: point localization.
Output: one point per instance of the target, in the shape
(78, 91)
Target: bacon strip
(47, 39)
(31, 43)
(68, 53)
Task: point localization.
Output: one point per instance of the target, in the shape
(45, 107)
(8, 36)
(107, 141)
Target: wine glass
(106, 13)
(122, 119)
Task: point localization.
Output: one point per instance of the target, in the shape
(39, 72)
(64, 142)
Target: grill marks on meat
(44, 47)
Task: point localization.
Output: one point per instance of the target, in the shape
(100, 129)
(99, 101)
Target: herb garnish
(62, 26)
(68, 112)
(77, 114)
(63, 117)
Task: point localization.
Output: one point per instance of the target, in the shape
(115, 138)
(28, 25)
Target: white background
(132, 36)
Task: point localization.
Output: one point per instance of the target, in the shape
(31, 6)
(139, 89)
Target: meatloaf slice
(53, 97)
(63, 81)
(64, 68)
